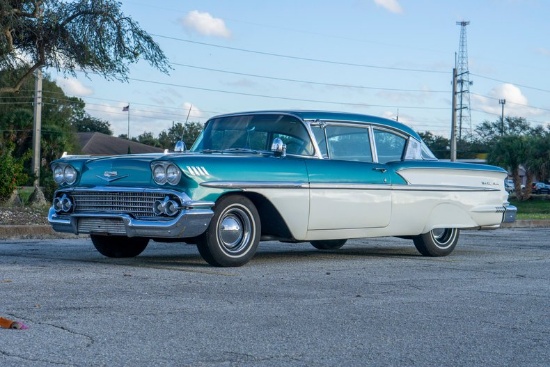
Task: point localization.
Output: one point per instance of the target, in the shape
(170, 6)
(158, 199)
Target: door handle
(379, 169)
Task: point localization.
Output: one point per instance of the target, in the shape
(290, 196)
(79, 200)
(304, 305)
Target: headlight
(58, 174)
(166, 172)
(64, 174)
(159, 174)
(70, 175)
(173, 174)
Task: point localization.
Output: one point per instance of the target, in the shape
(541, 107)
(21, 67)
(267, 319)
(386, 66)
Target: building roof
(95, 143)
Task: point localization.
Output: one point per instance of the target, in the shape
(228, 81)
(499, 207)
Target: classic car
(291, 176)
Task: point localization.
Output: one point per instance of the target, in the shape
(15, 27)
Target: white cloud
(390, 5)
(74, 87)
(205, 24)
(516, 103)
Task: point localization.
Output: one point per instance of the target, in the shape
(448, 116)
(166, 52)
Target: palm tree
(511, 152)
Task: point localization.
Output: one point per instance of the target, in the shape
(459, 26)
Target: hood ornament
(111, 176)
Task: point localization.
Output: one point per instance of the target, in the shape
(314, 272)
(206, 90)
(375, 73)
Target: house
(94, 143)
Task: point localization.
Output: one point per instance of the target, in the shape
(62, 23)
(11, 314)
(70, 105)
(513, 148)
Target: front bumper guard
(188, 223)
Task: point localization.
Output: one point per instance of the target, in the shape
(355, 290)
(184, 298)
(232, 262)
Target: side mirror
(278, 148)
(180, 147)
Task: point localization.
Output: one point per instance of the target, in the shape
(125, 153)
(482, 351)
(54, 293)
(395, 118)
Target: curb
(18, 232)
(15, 232)
(533, 223)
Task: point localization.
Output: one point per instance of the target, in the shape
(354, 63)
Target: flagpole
(127, 109)
(128, 121)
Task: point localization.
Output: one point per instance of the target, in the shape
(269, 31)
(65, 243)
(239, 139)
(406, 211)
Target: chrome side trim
(255, 185)
(336, 186)
(441, 188)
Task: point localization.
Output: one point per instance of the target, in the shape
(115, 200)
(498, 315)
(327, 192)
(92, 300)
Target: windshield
(254, 133)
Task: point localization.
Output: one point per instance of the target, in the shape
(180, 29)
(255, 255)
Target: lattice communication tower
(463, 82)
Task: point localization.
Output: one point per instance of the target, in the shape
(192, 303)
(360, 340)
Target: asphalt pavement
(375, 302)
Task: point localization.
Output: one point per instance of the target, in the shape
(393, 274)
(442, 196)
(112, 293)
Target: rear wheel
(328, 244)
(437, 242)
(119, 246)
(234, 232)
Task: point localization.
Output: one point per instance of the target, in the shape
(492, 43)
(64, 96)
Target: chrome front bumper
(188, 223)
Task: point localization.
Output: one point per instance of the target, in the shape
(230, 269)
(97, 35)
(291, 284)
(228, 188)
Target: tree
(511, 152)
(520, 146)
(439, 145)
(16, 121)
(84, 35)
(187, 132)
(514, 126)
(147, 138)
(88, 124)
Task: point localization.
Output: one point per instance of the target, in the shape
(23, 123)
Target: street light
(502, 102)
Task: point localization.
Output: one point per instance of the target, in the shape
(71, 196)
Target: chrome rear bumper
(509, 214)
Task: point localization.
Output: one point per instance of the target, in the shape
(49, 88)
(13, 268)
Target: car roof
(313, 115)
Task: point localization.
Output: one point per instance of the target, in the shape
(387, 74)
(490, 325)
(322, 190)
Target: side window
(389, 146)
(348, 143)
(295, 145)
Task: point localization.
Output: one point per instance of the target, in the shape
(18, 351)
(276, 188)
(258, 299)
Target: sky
(390, 58)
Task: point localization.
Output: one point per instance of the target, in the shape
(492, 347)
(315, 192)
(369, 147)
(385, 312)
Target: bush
(12, 172)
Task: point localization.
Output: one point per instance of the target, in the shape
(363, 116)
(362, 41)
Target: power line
(281, 97)
(309, 81)
(302, 58)
(508, 82)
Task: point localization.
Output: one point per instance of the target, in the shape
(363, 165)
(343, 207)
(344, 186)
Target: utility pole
(502, 102)
(37, 128)
(453, 118)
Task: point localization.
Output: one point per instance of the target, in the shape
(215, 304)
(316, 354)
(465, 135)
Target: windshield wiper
(240, 150)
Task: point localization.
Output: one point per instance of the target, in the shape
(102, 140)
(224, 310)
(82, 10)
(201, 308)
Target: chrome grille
(137, 204)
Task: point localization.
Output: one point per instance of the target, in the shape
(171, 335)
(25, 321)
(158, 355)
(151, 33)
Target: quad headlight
(165, 172)
(64, 173)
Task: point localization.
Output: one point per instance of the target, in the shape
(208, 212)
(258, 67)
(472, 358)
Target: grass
(534, 208)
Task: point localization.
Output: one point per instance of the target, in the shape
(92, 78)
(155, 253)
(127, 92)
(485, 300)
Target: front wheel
(328, 244)
(119, 246)
(437, 242)
(234, 233)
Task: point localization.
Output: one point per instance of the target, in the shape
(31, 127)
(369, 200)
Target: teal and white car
(292, 176)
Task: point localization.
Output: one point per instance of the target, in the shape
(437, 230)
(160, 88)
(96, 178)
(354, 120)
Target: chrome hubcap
(235, 230)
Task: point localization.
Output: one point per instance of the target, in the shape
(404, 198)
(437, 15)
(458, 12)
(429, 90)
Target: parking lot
(374, 302)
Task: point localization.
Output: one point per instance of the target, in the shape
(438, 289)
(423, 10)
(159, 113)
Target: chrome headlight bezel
(69, 173)
(173, 174)
(64, 174)
(165, 172)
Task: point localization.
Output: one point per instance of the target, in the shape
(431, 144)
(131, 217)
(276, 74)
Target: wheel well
(273, 224)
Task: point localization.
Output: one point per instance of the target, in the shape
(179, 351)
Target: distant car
(509, 185)
(293, 176)
(540, 188)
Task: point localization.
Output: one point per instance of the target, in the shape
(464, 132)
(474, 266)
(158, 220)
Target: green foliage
(89, 36)
(88, 124)
(12, 172)
(522, 146)
(532, 208)
(187, 132)
(439, 145)
(16, 120)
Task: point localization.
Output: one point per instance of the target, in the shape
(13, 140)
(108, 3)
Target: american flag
(127, 108)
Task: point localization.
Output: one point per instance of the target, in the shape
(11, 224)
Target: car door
(348, 190)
